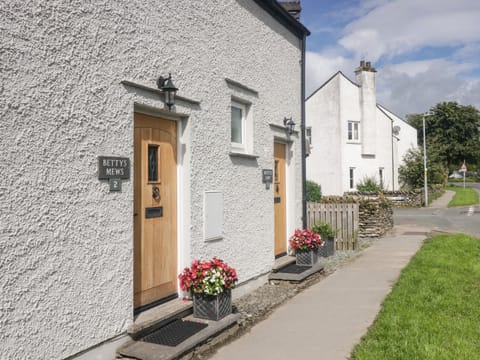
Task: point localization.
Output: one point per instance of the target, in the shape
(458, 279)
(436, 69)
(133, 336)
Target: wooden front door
(279, 199)
(155, 209)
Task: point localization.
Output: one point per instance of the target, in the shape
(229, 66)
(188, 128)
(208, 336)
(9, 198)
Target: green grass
(433, 312)
(467, 180)
(463, 196)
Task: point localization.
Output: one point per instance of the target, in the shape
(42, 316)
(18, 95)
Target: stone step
(153, 319)
(148, 351)
(282, 262)
(281, 276)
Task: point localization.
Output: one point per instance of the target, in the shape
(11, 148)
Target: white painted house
(352, 136)
(106, 192)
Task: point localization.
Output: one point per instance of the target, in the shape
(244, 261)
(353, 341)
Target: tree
(411, 173)
(314, 191)
(452, 132)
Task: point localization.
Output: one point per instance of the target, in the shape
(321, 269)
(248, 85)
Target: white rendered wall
(406, 140)
(328, 111)
(322, 112)
(385, 146)
(350, 110)
(67, 261)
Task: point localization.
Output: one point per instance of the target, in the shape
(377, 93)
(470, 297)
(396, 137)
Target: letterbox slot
(154, 212)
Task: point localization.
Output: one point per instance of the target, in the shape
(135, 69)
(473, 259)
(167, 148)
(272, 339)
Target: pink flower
(305, 239)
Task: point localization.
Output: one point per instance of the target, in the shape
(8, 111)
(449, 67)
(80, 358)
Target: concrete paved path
(326, 320)
(442, 201)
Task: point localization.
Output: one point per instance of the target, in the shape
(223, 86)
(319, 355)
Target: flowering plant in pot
(306, 244)
(210, 283)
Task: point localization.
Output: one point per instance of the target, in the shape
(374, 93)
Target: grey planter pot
(328, 248)
(306, 257)
(212, 307)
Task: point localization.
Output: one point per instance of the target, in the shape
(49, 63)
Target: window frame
(308, 134)
(351, 176)
(355, 130)
(244, 109)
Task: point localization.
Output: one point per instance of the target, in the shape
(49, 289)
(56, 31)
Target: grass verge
(433, 311)
(463, 196)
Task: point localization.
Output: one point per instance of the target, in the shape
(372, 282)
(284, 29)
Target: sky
(424, 51)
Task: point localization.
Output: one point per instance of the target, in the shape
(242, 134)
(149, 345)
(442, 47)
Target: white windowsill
(234, 153)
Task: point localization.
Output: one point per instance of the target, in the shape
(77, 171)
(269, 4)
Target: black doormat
(174, 333)
(294, 269)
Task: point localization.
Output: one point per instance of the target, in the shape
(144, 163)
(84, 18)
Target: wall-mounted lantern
(289, 124)
(166, 85)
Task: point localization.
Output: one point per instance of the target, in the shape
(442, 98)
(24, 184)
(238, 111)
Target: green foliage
(324, 230)
(314, 191)
(369, 184)
(411, 172)
(433, 310)
(452, 132)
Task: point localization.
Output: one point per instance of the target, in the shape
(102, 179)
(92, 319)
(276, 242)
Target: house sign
(110, 167)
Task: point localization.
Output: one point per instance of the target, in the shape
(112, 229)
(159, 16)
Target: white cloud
(405, 91)
(319, 68)
(413, 68)
(391, 31)
(401, 26)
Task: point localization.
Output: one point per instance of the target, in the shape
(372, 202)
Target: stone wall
(375, 213)
(400, 199)
(376, 217)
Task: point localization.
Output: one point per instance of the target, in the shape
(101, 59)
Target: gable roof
(382, 108)
(387, 113)
(283, 17)
(331, 78)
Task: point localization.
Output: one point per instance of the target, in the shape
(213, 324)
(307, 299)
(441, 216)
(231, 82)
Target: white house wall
(67, 281)
(406, 140)
(328, 111)
(322, 114)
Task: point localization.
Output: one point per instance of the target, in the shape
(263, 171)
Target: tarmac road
(465, 219)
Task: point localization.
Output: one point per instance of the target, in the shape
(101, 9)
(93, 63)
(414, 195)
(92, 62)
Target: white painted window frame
(243, 145)
(353, 132)
(351, 178)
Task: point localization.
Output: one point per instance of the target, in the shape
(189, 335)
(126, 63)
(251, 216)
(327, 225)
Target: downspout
(303, 142)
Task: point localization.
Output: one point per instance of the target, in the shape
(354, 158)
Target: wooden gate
(342, 217)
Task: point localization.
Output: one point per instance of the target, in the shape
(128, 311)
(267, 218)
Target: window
(152, 163)
(308, 135)
(352, 178)
(308, 141)
(238, 114)
(380, 175)
(353, 131)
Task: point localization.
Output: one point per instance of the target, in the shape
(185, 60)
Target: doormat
(174, 333)
(414, 233)
(294, 269)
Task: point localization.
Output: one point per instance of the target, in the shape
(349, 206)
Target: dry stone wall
(375, 213)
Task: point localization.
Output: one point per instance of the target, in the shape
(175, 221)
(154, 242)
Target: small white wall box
(213, 215)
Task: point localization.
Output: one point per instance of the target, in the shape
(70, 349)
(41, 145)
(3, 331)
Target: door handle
(156, 193)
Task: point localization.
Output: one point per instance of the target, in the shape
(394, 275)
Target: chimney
(365, 75)
(293, 7)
